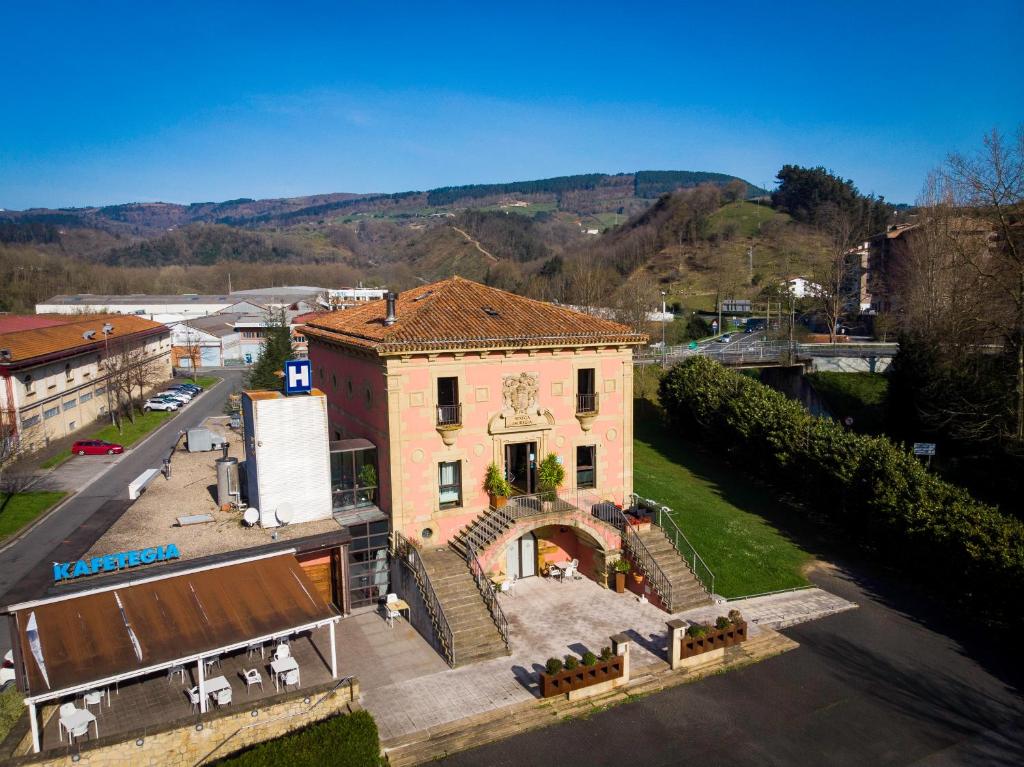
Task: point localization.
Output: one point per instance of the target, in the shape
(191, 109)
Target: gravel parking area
(192, 489)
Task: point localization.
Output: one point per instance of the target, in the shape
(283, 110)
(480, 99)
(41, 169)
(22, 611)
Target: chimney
(391, 317)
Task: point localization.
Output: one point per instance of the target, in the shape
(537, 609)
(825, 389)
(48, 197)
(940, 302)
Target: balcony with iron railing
(586, 408)
(449, 415)
(449, 421)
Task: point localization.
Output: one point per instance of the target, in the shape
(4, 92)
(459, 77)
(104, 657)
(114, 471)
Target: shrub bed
(341, 741)
(871, 488)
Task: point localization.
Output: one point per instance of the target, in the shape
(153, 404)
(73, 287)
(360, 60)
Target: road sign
(924, 448)
(298, 377)
(714, 324)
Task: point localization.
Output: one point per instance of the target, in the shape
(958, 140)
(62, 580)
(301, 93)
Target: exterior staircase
(474, 635)
(685, 589)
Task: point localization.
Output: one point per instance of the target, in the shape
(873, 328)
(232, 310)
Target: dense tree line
(870, 490)
(28, 231)
(654, 183)
(451, 195)
(506, 235)
(816, 196)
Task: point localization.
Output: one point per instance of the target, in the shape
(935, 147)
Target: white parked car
(159, 403)
(184, 399)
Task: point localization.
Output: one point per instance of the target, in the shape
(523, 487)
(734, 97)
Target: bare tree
(12, 448)
(635, 300)
(192, 343)
(990, 187)
(831, 275)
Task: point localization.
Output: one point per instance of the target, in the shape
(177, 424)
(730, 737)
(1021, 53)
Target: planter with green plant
(550, 476)
(621, 568)
(563, 676)
(497, 487)
(701, 638)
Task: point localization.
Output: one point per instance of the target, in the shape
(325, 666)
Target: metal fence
(663, 519)
(488, 592)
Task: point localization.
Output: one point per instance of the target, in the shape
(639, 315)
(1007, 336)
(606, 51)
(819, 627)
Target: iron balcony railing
(489, 593)
(410, 557)
(586, 402)
(663, 519)
(449, 415)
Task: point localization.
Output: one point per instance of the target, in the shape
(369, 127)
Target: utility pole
(750, 259)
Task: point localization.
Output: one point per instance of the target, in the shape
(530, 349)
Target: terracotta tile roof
(9, 323)
(25, 345)
(460, 314)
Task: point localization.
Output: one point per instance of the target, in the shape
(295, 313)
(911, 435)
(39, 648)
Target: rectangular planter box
(580, 677)
(715, 639)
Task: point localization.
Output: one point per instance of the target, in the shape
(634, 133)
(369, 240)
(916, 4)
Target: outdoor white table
(78, 718)
(283, 666)
(398, 605)
(561, 567)
(215, 685)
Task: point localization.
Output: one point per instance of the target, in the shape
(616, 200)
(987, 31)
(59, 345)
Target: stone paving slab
(776, 611)
(551, 619)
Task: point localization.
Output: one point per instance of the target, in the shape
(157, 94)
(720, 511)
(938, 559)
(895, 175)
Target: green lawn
(205, 381)
(130, 433)
(745, 218)
(721, 512)
(858, 395)
(22, 509)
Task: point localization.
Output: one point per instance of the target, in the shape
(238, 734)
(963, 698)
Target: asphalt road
(25, 567)
(886, 684)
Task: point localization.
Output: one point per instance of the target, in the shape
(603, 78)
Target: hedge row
(874, 491)
(341, 741)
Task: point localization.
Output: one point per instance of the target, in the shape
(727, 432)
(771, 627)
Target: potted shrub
(553, 666)
(606, 654)
(622, 568)
(550, 476)
(638, 577)
(498, 488)
(571, 662)
(575, 673)
(589, 659)
(368, 481)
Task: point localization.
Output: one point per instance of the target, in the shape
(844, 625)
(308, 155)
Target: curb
(69, 494)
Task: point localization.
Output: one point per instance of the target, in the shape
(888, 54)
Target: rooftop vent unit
(420, 298)
(5, 354)
(89, 335)
(491, 312)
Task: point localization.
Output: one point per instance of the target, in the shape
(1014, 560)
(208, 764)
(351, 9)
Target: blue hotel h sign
(63, 571)
(298, 377)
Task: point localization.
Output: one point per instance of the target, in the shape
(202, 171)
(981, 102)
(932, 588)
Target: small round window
(426, 534)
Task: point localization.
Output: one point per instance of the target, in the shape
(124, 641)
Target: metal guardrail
(586, 402)
(766, 351)
(449, 415)
(410, 557)
(489, 593)
(663, 519)
(612, 514)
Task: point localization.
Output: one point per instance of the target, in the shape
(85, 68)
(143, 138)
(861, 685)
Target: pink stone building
(450, 377)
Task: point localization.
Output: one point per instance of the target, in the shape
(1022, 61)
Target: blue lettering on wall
(63, 571)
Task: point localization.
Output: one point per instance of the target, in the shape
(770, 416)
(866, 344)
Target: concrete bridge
(746, 352)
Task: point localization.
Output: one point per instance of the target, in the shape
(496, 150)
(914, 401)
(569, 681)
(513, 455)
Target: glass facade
(353, 478)
(369, 573)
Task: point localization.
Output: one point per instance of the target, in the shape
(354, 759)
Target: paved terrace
(550, 619)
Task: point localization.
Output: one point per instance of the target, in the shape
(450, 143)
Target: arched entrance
(527, 548)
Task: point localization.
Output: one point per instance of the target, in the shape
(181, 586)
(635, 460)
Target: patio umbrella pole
(202, 687)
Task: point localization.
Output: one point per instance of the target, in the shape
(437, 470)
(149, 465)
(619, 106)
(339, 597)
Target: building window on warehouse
(51, 412)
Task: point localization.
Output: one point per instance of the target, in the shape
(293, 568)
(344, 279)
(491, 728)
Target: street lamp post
(664, 350)
(107, 329)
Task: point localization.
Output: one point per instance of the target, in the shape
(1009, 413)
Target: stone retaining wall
(184, 744)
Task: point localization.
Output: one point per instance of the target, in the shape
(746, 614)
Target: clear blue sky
(106, 103)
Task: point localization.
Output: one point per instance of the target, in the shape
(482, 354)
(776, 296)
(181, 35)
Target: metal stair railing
(642, 557)
(410, 557)
(663, 519)
(489, 593)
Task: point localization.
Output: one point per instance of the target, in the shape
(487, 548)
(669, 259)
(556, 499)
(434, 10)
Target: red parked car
(95, 447)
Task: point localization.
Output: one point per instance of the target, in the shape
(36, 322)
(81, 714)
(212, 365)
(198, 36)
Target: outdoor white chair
(509, 586)
(282, 651)
(174, 671)
(93, 698)
(251, 677)
(572, 571)
(224, 696)
(79, 730)
(209, 663)
(390, 613)
(67, 709)
(193, 696)
(255, 647)
(291, 677)
(554, 571)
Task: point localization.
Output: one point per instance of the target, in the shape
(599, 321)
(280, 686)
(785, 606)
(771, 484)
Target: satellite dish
(284, 513)
(251, 516)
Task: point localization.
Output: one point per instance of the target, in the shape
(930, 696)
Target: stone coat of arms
(520, 393)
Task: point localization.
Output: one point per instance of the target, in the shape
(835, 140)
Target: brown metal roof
(84, 638)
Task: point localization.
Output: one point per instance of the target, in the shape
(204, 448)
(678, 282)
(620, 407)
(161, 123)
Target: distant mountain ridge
(581, 194)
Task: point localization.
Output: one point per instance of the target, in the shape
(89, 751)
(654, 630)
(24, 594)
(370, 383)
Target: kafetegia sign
(123, 560)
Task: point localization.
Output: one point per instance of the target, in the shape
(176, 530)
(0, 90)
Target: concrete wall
(850, 364)
(181, 745)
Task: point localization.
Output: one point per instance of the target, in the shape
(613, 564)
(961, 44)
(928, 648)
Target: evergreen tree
(277, 349)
